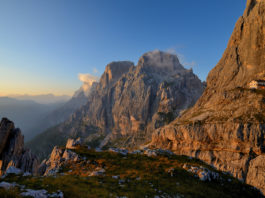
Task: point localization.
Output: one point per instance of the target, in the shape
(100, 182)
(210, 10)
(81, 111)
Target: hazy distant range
(28, 111)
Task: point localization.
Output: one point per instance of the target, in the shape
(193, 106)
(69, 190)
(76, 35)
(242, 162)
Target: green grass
(11, 193)
(152, 171)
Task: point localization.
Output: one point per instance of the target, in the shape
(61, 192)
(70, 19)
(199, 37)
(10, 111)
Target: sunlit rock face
(12, 153)
(130, 102)
(226, 126)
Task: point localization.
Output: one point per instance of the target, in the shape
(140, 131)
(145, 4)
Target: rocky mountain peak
(161, 61)
(243, 60)
(114, 71)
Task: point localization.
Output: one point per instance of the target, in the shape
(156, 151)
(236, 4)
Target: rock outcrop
(12, 152)
(226, 127)
(58, 158)
(73, 144)
(131, 101)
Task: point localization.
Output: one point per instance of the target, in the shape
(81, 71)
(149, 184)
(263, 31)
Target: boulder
(70, 156)
(58, 158)
(7, 185)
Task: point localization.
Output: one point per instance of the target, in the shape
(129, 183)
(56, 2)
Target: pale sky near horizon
(46, 44)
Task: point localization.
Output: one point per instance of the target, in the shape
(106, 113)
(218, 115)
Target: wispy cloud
(87, 80)
(181, 58)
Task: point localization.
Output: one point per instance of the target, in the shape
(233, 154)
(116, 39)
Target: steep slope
(226, 126)
(130, 102)
(57, 135)
(145, 98)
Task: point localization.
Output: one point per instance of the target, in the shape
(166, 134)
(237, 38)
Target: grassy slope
(143, 177)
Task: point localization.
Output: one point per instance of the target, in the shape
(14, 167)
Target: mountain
(64, 111)
(226, 127)
(128, 103)
(43, 98)
(26, 113)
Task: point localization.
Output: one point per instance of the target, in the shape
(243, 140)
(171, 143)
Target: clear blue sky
(44, 44)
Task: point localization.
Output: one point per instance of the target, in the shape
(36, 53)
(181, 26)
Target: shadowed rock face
(12, 151)
(226, 127)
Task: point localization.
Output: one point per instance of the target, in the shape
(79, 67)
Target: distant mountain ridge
(26, 113)
(34, 118)
(42, 98)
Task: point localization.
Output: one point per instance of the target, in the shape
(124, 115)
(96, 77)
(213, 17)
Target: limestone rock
(7, 185)
(58, 158)
(73, 144)
(53, 164)
(70, 156)
(130, 102)
(256, 172)
(12, 152)
(35, 193)
(13, 170)
(6, 127)
(161, 61)
(226, 126)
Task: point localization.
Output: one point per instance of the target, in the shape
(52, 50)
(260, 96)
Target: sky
(46, 44)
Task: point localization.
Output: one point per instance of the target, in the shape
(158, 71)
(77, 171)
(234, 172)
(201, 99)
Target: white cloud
(183, 61)
(171, 51)
(181, 58)
(87, 80)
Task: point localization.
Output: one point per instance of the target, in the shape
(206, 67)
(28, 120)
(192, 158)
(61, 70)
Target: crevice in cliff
(242, 27)
(237, 58)
(251, 6)
(252, 156)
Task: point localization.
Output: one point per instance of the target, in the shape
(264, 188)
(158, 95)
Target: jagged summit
(114, 71)
(162, 61)
(227, 95)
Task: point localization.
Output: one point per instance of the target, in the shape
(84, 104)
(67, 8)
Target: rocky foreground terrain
(226, 127)
(128, 104)
(78, 171)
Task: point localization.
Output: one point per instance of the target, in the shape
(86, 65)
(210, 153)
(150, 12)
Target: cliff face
(131, 101)
(12, 152)
(226, 126)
